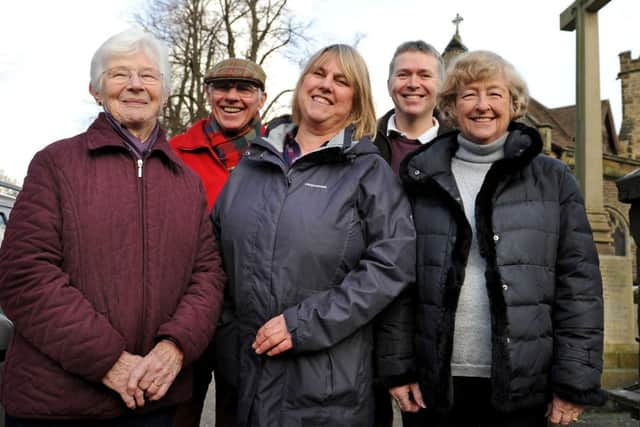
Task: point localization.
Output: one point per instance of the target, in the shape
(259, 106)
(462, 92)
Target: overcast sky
(45, 56)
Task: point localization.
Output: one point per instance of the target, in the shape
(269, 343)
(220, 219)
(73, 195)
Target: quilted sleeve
(194, 321)
(578, 309)
(35, 292)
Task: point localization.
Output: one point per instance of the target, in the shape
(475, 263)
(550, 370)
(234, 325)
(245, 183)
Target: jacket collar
(384, 121)
(101, 135)
(434, 160)
(195, 137)
(342, 144)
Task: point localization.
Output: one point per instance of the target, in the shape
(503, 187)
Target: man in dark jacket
(416, 73)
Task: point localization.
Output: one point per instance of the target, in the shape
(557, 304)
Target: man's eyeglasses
(244, 89)
(122, 75)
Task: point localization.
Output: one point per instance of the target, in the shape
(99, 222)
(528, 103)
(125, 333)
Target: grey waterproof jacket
(328, 242)
(543, 280)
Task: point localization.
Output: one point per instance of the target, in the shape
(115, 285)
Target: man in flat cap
(212, 147)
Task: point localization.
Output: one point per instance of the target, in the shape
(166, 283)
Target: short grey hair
(418, 46)
(130, 42)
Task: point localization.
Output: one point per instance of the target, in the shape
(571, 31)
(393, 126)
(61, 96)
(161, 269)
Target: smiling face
(325, 97)
(484, 110)
(234, 104)
(132, 93)
(413, 85)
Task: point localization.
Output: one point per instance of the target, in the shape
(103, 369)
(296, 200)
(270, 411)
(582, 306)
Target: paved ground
(607, 417)
(208, 413)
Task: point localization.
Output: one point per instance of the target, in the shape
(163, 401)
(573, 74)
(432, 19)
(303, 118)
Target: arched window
(619, 232)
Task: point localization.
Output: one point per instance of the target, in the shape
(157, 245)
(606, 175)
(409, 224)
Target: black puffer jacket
(329, 243)
(542, 274)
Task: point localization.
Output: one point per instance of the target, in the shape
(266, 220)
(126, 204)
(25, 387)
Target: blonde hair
(477, 66)
(363, 115)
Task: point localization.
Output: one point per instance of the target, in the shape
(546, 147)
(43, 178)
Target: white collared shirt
(427, 136)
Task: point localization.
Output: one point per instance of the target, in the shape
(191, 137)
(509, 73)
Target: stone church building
(619, 258)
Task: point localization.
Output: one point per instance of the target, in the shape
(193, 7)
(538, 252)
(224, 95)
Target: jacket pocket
(338, 376)
(308, 381)
(348, 376)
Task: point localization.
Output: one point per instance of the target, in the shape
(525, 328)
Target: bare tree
(203, 32)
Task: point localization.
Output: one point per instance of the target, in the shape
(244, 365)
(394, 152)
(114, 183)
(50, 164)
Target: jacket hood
(522, 145)
(343, 141)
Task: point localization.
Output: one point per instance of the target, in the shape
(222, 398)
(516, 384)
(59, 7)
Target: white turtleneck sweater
(472, 334)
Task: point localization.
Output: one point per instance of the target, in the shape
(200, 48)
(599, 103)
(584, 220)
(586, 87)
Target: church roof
(543, 116)
(562, 121)
(456, 45)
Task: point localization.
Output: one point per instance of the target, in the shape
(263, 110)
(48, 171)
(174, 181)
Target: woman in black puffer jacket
(509, 295)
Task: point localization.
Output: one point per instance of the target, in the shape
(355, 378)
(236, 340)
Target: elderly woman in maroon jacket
(108, 267)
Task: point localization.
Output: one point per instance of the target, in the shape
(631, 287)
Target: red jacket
(102, 256)
(194, 149)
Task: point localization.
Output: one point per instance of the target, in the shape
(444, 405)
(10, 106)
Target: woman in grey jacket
(317, 239)
(509, 294)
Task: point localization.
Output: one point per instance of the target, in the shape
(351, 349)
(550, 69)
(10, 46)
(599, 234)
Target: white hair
(130, 42)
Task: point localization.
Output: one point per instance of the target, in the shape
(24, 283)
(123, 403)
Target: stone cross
(457, 20)
(582, 16)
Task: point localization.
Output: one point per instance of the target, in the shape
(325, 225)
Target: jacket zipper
(287, 182)
(140, 183)
(262, 359)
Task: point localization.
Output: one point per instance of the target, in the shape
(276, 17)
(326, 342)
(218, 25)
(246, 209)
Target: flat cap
(237, 69)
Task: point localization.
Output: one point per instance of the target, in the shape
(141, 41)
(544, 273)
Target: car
(8, 193)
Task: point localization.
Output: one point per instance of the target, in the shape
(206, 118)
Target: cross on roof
(457, 20)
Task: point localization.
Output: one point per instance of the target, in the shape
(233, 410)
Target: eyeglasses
(244, 89)
(122, 75)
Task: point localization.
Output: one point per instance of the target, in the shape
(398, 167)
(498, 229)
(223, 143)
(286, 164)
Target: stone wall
(620, 323)
(630, 80)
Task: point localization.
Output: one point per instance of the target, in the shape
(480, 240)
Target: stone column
(582, 17)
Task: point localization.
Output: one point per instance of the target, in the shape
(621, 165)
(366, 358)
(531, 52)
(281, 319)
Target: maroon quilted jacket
(102, 256)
